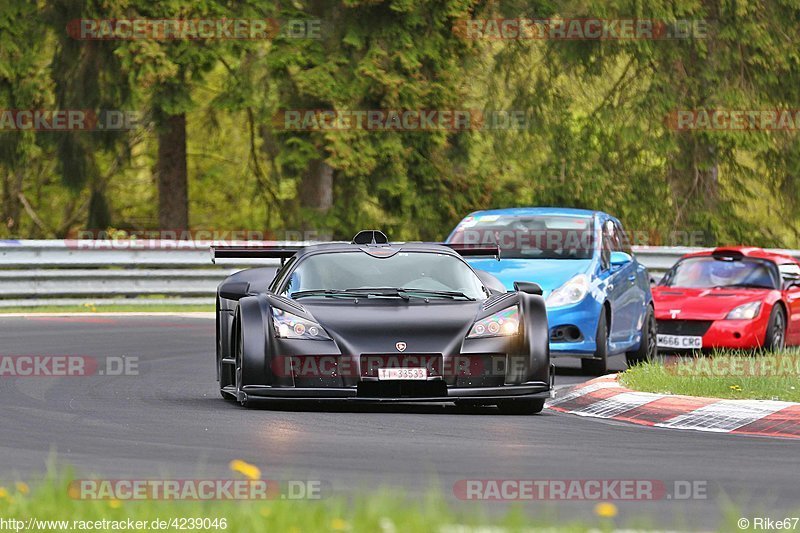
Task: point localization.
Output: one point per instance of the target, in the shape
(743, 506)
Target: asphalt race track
(169, 421)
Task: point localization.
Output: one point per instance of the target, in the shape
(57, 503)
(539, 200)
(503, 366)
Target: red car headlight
(746, 311)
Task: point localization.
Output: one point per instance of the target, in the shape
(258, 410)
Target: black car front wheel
(241, 396)
(776, 329)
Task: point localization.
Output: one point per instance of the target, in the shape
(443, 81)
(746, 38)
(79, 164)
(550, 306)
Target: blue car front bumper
(584, 316)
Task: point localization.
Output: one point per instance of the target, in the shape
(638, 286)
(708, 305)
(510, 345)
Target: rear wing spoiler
(254, 252)
(285, 252)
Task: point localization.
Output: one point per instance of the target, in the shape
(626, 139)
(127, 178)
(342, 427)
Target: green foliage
(596, 134)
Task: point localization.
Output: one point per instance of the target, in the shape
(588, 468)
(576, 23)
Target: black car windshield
(709, 272)
(425, 274)
(530, 237)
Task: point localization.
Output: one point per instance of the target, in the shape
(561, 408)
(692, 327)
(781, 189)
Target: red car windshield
(709, 272)
(530, 237)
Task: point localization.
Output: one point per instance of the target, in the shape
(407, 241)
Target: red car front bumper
(732, 334)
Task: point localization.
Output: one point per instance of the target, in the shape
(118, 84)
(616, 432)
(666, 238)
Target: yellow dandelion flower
(605, 510)
(114, 504)
(265, 511)
(22, 487)
(246, 469)
(337, 524)
(3, 493)
(73, 491)
(736, 388)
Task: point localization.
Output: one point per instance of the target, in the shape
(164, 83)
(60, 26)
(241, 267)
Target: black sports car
(379, 321)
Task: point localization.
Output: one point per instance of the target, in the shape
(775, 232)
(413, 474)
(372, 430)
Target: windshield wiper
(406, 292)
(351, 293)
(332, 293)
(380, 291)
(395, 292)
(440, 294)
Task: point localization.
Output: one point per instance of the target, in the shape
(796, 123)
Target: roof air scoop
(370, 236)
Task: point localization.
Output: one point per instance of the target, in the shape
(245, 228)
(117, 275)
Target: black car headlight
(501, 324)
(290, 326)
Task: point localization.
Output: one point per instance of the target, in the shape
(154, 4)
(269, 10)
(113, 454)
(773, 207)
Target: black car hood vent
(494, 300)
(290, 303)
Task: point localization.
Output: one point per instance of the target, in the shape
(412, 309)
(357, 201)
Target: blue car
(598, 295)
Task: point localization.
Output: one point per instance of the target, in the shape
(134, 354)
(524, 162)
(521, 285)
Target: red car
(731, 297)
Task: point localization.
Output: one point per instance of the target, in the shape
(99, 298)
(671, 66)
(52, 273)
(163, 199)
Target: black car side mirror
(528, 287)
(234, 290)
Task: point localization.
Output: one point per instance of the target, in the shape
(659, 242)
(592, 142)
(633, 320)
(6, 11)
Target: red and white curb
(605, 398)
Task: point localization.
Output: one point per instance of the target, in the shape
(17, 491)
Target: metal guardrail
(63, 272)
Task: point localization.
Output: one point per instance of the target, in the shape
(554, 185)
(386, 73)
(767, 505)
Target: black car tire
(599, 365)
(775, 338)
(241, 397)
(648, 347)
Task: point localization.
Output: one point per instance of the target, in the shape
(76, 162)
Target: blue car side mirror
(620, 259)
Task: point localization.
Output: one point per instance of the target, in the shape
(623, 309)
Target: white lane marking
(616, 405)
(576, 393)
(725, 415)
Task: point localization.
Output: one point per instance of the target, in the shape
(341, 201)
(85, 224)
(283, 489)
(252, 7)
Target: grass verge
(49, 507)
(756, 376)
(53, 505)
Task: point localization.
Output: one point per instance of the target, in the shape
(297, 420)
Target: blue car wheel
(598, 365)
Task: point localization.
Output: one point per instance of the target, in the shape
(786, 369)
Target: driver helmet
(722, 273)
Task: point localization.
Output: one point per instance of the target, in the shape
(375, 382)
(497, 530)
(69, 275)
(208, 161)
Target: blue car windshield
(423, 271)
(708, 272)
(530, 237)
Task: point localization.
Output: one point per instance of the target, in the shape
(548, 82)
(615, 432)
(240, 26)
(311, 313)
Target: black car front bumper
(531, 390)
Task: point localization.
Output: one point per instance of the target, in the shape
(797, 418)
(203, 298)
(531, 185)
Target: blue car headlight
(290, 326)
(501, 324)
(571, 292)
